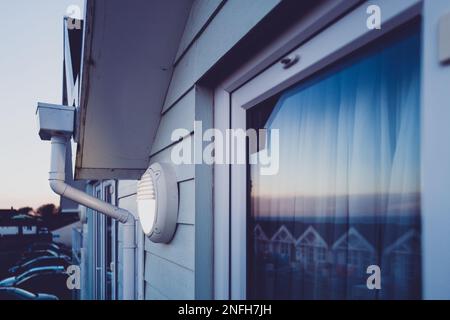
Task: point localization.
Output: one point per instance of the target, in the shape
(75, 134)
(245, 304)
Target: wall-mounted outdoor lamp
(157, 199)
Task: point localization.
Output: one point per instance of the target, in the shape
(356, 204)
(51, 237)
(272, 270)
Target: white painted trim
(221, 203)
(238, 215)
(114, 238)
(203, 225)
(262, 235)
(435, 157)
(346, 245)
(68, 67)
(411, 234)
(343, 37)
(318, 241)
(99, 238)
(332, 44)
(311, 23)
(289, 238)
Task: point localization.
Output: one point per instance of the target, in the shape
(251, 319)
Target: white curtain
(350, 170)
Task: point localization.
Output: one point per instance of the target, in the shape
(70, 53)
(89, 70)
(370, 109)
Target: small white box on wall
(54, 120)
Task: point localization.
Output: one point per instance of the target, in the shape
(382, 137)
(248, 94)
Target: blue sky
(30, 71)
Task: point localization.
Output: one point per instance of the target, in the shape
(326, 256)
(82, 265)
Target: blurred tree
(26, 210)
(47, 211)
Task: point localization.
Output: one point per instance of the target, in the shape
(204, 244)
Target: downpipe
(140, 267)
(57, 184)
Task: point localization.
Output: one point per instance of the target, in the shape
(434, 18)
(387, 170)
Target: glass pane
(347, 193)
(108, 246)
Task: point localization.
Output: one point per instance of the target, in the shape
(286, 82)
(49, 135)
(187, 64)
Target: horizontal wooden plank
(180, 250)
(186, 211)
(182, 171)
(172, 280)
(126, 188)
(180, 116)
(201, 12)
(129, 203)
(308, 24)
(152, 293)
(235, 19)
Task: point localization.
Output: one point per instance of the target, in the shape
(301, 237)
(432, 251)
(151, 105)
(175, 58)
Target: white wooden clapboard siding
(170, 279)
(182, 171)
(234, 20)
(180, 116)
(176, 257)
(175, 260)
(129, 202)
(153, 293)
(186, 211)
(182, 269)
(179, 251)
(201, 12)
(126, 188)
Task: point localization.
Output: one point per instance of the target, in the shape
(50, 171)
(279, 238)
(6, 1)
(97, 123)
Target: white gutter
(56, 179)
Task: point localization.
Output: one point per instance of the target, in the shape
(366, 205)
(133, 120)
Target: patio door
(105, 246)
(340, 195)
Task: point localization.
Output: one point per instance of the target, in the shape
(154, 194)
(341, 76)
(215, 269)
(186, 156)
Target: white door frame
(99, 229)
(111, 184)
(97, 245)
(236, 94)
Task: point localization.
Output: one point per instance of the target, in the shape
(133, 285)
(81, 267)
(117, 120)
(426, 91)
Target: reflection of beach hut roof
(311, 238)
(259, 233)
(353, 240)
(283, 235)
(407, 243)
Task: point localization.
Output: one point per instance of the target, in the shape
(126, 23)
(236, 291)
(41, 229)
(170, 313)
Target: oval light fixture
(157, 200)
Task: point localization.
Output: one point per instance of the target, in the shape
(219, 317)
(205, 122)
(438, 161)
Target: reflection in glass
(347, 194)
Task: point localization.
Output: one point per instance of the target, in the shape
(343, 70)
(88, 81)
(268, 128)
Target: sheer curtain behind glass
(347, 194)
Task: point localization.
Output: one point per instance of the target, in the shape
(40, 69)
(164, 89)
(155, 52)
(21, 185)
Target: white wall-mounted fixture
(157, 200)
(56, 123)
(55, 120)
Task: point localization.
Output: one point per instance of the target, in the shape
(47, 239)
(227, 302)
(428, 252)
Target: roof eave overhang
(128, 52)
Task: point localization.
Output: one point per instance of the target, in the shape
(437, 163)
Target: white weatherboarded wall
(230, 24)
(183, 269)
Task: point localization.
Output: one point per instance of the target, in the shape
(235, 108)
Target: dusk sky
(31, 55)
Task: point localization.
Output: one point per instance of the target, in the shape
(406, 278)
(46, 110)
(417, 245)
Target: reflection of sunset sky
(349, 141)
(357, 205)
